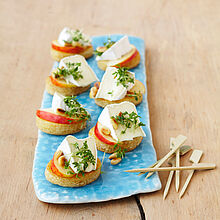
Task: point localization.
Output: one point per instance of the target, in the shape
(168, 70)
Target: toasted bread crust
(58, 55)
(103, 102)
(66, 91)
(139, 88)
(73, 181)
(128, 145)
(103, 64)
(59, 129)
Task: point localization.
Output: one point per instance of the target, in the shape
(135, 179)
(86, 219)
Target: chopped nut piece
(93, 92)
(115, 161)
(113, 156)
(106, 131)
(101, 49)
(61, 160)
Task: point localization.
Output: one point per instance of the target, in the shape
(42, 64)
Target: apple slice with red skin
(60, 83)
(124, 63)
(103, 138)
(48, 116)
(124, 59)
(67, 49)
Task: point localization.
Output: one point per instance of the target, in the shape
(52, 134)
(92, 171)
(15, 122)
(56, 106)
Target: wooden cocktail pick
(177, 163)
(172, 161)
(179, 141)
(183, 150)
(198, 166)
(195, 158)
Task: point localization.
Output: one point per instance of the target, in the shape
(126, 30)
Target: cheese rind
(109, 89)
(86, 71)
(117, 50)
(68, 149)
(58, 102)
(114, 110)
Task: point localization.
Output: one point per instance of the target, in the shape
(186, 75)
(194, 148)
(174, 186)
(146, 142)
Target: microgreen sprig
(106, 44)
(72, 69)
(128, 120)
(119, 152)
(85, 157)
(109, 43)
(75, 108)
(135, 95)
(123, 76)
(77, 36)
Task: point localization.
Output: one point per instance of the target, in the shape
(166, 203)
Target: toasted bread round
(58, 55)
(59, 129)
(128, 145)
(73, 181)
(125, 61)
(138, 88)
(69, 90)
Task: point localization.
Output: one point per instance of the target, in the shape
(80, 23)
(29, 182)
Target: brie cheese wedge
(64, 35)
(69, 151)
(114, 110)
(85, 70)
(109, 88)
(117, 50)
(58, 102)
(68, 35)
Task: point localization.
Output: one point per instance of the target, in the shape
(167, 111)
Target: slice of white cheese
(108, 87)
(69, 151)
(86, 71)
(65, 35)
(69, 35)
(117, 50)
(114, 110)
(58, 102)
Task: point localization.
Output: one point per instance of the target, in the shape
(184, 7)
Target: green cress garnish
(77, 36)
(85, 157)
(110, 93)
(72, 69)
(128, 120)
(75, 108)
(123, 76)
(135, 95)
(107, 44)
(119, 152)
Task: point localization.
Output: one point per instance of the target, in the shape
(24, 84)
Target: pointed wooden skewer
(180, 140)
(195, 158)
(183, 150)
(199, 166)
(177, 174)
(153, 165)
(171, 161)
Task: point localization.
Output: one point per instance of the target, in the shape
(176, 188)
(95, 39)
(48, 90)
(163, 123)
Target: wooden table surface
(183, 62)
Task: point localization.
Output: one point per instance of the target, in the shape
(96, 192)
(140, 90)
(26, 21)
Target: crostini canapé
(117, 85)
(75, 163)
(71, 42)
(117, 53)
(66, 116)
(72, 77)
(118, 126)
